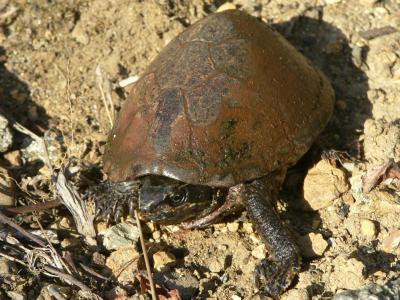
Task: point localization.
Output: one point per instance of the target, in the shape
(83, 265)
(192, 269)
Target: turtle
(211, 127)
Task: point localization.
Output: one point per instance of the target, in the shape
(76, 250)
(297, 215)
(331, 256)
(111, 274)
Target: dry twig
(66, 277)
(72, 200)
(146, 258)
(54, 293)
(105, 95)
(7, 221)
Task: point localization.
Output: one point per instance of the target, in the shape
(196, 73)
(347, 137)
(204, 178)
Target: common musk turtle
(212, 125)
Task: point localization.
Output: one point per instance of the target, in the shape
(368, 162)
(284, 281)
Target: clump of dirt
(49, 52)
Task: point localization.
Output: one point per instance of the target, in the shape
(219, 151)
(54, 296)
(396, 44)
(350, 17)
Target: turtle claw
(115, 200)
(272, 278)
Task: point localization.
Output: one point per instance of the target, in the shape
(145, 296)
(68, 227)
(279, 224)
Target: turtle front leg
(275, 273)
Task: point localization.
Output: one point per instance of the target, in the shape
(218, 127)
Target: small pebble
(101, 227)
(323, 184)
(156, 235)
(348, 273)
(222, 247)
(259, 252)
(121, 235)
(392, 242)
(13, 157)
(117, 293)
(248, 227)
(123, 263)
(5, 266)
(368, 228)
(172, 228)
(65, 223)
(348, 199)
(7, 188)
(236, 297)
(296, 294)
(233, 227)
(150, 226)
(254, 238)
(215, 266)
(6, 137)
(98, 258)
(163, 260)
(312, 245)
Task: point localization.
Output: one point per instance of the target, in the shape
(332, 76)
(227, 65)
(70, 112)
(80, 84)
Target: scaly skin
(276, 273)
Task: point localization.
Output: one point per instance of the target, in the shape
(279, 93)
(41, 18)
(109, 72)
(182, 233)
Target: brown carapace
(227, 101)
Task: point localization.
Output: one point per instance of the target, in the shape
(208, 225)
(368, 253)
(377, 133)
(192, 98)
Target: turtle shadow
(16, 101)
(375, 260)
(17, 106)
(328, 48)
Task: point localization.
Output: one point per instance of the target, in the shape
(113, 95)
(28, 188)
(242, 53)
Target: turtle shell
(227, 101)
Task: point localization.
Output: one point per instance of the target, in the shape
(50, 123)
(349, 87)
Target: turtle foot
(114, 200)
(272, 278)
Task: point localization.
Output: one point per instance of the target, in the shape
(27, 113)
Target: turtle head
(166, 200)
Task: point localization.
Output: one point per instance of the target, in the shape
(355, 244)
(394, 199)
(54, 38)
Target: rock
(123, 263)
(33, 150)
(63, 223)
(392, 242)
(389, 290)
(259, 252)
(348, 199)
(180, 279)
(6, 188)
(13, 157)
(156, 235)
(312, 245)
(163, 260)
(6, 137)
(101, 227)
(215, 266)
(117, 293)
(121, 235)
(347, 274)
(296, 294)
(381, 141)
(80, 35)
(236, 297)
(5, 266)
(233, 227)
(248, 227)
(323, 184)
(98, 258)
(368, 228)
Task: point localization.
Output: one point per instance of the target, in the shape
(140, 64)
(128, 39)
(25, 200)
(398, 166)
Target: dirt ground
(49, 51)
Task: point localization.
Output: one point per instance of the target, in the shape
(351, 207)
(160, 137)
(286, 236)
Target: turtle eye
(176, 198)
